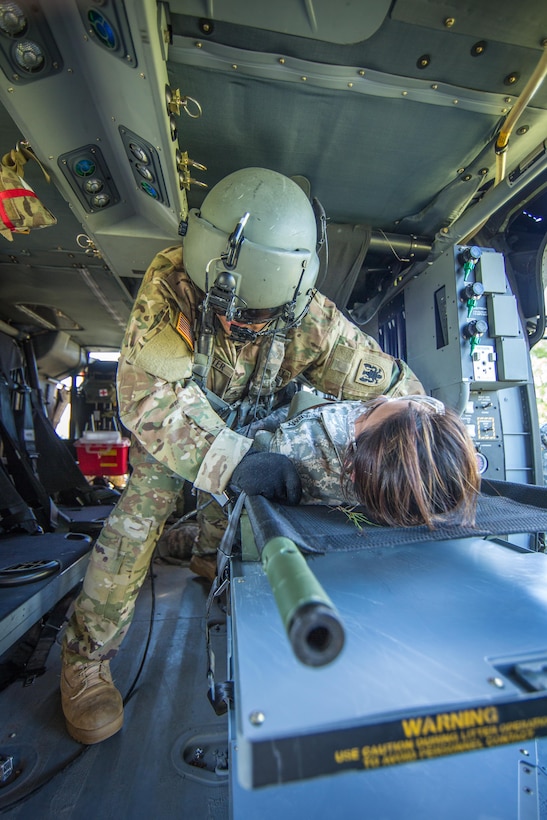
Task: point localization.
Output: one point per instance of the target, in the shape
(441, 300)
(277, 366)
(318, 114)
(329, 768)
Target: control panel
(467, 323)
(481, 416)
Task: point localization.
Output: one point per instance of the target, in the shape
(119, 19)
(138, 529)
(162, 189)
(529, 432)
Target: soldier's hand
(269, 474)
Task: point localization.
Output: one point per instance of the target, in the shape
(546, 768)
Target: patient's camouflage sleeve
(316, 441)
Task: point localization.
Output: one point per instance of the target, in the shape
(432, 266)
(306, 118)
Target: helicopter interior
(421, 128)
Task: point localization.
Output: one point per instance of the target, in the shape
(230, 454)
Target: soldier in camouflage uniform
(232, 316)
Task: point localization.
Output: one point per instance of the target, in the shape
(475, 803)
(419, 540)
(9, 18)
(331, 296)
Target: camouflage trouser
(122, 554)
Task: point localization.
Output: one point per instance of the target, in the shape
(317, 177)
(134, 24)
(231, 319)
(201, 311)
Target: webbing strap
(14, 511)
(36, 663)
(20, 467)
(26, 660)
(219, 694)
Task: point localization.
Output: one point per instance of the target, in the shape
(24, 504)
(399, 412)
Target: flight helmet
(254, 240)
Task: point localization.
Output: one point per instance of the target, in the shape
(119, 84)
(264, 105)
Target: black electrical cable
(131, 691)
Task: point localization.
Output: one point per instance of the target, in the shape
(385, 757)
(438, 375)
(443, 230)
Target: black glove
(269, 474)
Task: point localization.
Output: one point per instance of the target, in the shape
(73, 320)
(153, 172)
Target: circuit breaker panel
(466, 343)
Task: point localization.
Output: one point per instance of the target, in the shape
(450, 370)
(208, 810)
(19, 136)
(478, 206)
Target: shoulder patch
(371, 372)
(184, 327)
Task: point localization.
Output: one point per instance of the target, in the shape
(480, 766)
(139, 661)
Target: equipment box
(102, 453)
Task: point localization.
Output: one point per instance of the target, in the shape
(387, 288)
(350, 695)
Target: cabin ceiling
(390, 110)
(379, 126)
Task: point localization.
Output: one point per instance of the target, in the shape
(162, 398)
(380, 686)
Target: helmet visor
(265, 276)
(258, 316)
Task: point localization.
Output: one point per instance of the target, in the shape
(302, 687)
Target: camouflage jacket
(316, 441)
(170, 415)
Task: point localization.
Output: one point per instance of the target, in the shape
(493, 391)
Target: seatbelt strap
(36, 663)
(14, 511)
(20, 467)
(26, 660)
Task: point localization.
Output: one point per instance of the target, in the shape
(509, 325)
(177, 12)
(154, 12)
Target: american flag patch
(184, 327)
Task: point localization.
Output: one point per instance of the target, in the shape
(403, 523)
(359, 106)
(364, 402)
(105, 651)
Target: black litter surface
(320, 529)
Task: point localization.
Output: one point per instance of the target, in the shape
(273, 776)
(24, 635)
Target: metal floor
(143, 771)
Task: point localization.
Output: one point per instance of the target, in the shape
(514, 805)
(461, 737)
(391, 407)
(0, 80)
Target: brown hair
(415, 467)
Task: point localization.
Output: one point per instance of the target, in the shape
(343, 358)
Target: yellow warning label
(448, 721)
(442, 734)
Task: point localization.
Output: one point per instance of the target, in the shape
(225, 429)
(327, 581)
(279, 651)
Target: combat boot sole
(90, 736)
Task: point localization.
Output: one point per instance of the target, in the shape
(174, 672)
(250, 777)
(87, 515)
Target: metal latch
(6, 768)
(533, 674)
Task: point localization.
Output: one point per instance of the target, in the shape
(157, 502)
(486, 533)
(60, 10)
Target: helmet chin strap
(243, 334)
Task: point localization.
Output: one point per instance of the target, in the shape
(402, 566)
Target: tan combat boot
(92, 705)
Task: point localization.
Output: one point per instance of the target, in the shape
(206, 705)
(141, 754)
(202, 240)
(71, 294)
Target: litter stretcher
(397, 670)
